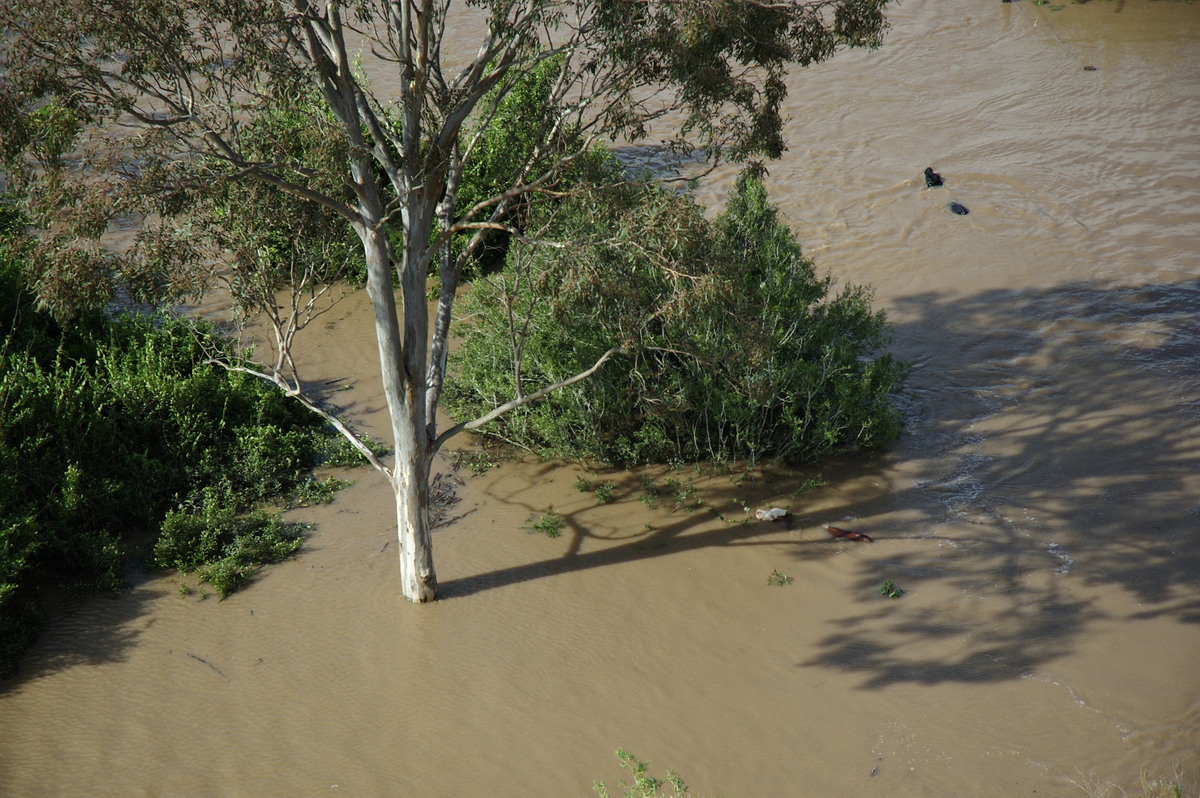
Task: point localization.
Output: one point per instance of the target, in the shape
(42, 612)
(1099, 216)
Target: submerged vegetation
(113, 429)
(643, 785)
(729, 345)
(732, 346)
(549, 523)
(778, 579)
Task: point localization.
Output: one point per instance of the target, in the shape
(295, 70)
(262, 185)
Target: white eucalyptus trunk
(411, 484)
(403, 375)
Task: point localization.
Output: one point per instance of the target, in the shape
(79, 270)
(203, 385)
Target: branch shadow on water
(1059, 436)
(1055, 440)
(687, 529)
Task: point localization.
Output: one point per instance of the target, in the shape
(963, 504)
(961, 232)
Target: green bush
(507, 145)
(732, 346)
(224, 547)
(117, 426)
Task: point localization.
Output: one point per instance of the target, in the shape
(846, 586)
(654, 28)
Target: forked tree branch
(522, 401)
(298, 394)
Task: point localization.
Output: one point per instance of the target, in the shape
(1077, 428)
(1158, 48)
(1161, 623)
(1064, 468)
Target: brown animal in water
(837, 532)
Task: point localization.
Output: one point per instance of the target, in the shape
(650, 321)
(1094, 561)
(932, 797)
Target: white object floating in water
(774, 514)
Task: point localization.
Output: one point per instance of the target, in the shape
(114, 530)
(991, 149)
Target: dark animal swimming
(932, 178)
(961, 210)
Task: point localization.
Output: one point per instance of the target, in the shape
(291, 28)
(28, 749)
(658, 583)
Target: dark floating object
(1089, 68)
(961, 210)
(858, 537)
(932, 178)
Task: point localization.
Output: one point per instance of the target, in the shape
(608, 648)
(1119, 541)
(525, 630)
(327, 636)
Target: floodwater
(1041, 513)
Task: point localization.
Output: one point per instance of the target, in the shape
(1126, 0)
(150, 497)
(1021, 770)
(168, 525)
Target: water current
(1041, 512)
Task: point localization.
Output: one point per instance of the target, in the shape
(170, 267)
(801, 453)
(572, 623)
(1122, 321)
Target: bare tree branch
(296, 392)
(524, 400)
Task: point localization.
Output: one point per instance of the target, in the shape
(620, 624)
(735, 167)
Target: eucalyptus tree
(189, 77)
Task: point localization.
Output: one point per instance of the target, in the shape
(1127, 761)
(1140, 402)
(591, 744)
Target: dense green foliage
(115, 427)
(269, 230)
(733, 346)
(518, 139)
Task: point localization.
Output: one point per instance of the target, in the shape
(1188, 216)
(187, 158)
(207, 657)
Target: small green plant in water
(549, 523)
(643, 786)
(746, 518)
(604, 491)
(807, 486)
(890, 590)
(649, 492)
(317, 491)
(582, 484)
(480, 462)
(1165, 790)
(649, 495)
(1173, 787)
(685, 494)
(778, 579)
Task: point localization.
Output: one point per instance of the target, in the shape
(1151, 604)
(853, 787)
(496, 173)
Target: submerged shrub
(643, 785)
(733, 347)
(223, 547)
(108, 427)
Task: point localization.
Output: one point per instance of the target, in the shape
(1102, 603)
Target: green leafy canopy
(682, 295)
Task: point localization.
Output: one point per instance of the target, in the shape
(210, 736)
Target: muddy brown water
(1041, 513)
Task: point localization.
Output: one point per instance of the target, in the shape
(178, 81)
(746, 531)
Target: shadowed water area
(1041, 512)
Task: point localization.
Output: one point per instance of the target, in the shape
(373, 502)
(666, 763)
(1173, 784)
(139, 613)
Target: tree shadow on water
(1055, 442)
(1057, 435)
(687, 528)
(87, 630)
(1052, 451)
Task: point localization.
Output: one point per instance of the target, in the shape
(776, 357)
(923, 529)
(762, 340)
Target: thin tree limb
(524, 400)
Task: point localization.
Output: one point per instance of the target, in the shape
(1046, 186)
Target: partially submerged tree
(733, 346)
(191, 76)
